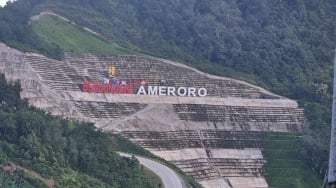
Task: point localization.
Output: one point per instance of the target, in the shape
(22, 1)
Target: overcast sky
(3, 2)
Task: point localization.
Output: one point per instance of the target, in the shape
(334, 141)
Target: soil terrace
(217, 139)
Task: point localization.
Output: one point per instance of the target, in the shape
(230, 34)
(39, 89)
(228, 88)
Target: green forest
(286, 46)
(71, 154)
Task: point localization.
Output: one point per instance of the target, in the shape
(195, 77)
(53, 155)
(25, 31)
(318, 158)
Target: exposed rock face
(217, 139)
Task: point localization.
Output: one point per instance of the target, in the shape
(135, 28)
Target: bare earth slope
(216, 138)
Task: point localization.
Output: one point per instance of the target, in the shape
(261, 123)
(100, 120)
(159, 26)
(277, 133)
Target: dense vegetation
(287, 162)
(284, 45)
(71, 154)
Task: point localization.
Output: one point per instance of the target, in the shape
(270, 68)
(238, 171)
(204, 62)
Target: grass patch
(73, 38)
(286, 166)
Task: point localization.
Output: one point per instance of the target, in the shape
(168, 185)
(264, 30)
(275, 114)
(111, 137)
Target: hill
(71, 37)
(223, 132)
(286, 46)
(283, 45)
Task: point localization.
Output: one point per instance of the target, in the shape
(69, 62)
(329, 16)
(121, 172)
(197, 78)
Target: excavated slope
(216, 138)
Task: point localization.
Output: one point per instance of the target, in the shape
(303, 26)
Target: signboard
(172, 91)
(112, 84)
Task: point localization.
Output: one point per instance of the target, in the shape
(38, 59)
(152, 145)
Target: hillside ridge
(175, 63)
(283, 46)
(49, 12)
(233, 118)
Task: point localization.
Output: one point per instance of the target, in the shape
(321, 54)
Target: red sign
(111, 84)
(98, 87)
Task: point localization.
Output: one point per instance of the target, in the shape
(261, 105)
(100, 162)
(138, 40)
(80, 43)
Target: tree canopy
(72, 154)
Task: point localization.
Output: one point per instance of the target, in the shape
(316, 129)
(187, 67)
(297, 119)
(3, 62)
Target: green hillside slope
(286, 166)
(287, 163)
(70, 37)
(286, 46)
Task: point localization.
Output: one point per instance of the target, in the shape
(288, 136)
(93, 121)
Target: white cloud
(3, 2)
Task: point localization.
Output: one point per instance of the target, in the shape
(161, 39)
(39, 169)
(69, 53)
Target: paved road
(168, 177)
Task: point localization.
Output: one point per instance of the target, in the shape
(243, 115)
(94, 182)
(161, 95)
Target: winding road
(168, 177)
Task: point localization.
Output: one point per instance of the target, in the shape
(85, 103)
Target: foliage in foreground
(287, 163)
(73, 154)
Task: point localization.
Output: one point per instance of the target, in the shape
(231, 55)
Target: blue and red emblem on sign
(111, 84)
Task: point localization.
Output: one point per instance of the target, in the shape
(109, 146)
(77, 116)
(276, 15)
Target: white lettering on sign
(202, 92)
(191, 91)
(152, 90)
(162, 90)
(141, 91)
(181, 91)
(172, 91)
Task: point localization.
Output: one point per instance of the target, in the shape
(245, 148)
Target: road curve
(168, 177)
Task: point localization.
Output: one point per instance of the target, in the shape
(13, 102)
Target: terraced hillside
(218, 138)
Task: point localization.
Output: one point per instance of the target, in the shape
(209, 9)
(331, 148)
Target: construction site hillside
(211, 127)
